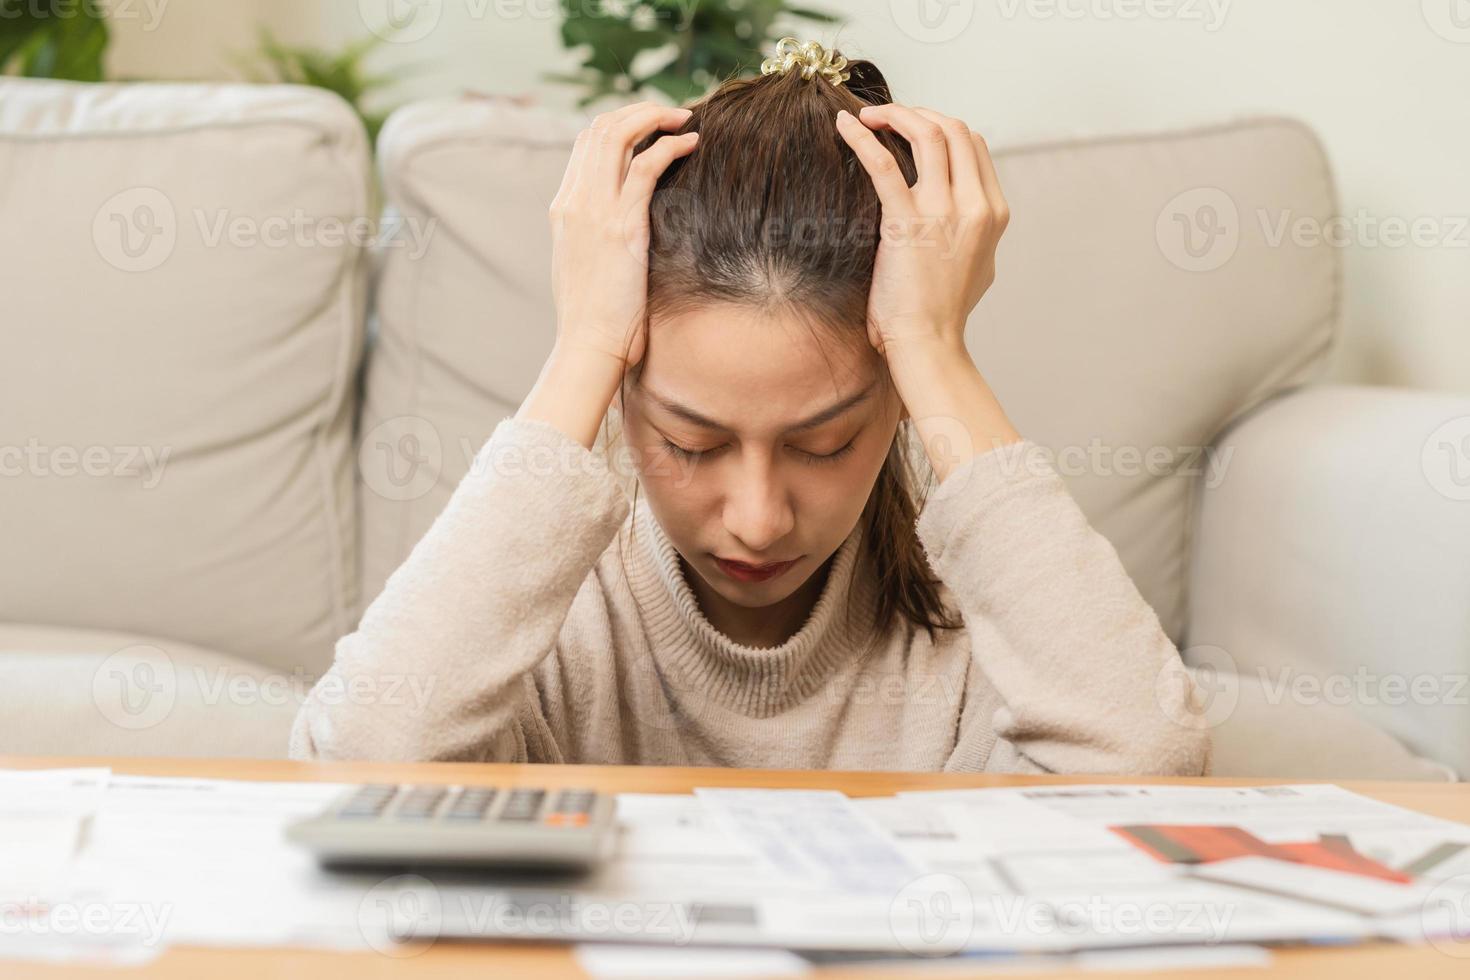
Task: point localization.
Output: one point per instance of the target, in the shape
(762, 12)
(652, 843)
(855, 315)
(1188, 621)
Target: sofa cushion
(1114, 342)
(1258, 735)
(87, 692)
(182, 327)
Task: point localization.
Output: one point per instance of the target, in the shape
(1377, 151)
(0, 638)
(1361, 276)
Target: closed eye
(831, 457)
(814, 458)
(683, 453)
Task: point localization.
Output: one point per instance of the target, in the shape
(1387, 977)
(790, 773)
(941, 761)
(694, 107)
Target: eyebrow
(811, 422)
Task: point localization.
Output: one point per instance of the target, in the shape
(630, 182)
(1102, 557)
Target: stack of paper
(980, 875)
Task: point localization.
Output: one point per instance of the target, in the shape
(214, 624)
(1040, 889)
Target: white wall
(1387, 84)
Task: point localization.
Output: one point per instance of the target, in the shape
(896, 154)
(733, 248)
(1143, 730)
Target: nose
(757, 509)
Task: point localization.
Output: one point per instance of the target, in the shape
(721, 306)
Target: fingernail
(841, 113)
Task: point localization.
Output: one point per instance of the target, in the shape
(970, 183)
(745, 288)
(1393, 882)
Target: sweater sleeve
(441, 666)
(1082, 677)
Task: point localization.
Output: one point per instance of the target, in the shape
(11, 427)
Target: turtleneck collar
(756, 681)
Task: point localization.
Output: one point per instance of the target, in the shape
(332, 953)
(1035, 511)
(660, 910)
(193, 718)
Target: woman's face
(757, 444)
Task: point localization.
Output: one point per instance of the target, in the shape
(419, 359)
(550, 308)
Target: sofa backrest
(1144, 299)
(182, 326)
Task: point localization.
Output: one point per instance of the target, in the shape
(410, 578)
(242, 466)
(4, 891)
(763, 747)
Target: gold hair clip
(810, 56)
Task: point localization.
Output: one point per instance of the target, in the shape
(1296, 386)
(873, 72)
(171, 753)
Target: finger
(678, 114)
(648, 166)
(991, 182)
(931, 148)
(616, 136)
(575, 164)
(888, 179)
(964, 167)
(593, 133)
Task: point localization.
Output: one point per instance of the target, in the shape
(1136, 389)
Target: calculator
(407, 825)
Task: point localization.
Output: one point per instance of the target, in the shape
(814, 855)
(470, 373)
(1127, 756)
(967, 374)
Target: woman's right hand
(600, 229)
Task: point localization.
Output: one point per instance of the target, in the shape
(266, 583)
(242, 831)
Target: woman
(768, 597)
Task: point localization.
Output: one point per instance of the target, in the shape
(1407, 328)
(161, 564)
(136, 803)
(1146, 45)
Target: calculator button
(567, 819)
(575, 801)
(522, 804)
(368, 802)
(470, 804)
(419, 803)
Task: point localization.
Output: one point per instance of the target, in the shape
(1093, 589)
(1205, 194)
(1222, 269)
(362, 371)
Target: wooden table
(512, 962)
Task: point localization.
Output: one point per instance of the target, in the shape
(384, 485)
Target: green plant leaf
(48, 41)
(710, 40)
(816, 15)
(343, 71)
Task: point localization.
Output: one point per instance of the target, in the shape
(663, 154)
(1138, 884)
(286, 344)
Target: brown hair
(773, 211)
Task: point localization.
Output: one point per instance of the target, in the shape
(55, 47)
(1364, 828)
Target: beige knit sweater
(544, 619)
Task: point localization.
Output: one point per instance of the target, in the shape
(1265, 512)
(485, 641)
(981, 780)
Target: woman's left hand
(936, 254)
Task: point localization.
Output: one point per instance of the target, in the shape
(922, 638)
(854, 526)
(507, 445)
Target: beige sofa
(229, 411)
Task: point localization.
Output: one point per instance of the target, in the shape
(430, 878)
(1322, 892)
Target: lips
(744, 572)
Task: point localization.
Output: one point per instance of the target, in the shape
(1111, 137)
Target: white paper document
(815, 836)
(46, 819)
(974, 875)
